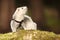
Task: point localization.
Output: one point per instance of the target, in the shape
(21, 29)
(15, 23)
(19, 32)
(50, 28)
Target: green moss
(30, 35)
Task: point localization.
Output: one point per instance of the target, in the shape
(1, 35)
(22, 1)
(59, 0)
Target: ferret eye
(22, 8)
(18, 9)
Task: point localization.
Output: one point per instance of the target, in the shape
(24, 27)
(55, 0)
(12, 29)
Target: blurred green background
(46, 13)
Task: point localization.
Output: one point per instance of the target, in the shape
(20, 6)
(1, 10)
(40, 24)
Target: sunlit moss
(30, 35)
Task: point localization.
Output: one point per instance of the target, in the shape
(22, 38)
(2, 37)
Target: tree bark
(7, 9)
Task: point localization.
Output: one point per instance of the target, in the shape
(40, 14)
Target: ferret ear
(16, 11)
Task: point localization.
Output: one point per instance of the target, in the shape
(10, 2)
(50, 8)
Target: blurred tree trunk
(37, 12)
(7, 9)
(58, 8)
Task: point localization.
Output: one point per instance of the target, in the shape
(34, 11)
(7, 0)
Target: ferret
(21, 20)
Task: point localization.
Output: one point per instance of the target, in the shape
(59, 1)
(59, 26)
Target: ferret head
(22, 10)
(19, 13)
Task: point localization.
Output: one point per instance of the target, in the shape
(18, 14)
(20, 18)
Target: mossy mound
(30, 35)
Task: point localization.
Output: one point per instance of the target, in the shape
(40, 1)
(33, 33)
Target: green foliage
(51, 18)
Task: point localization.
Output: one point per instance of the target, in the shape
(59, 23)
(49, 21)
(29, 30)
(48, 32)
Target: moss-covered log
(30, 35)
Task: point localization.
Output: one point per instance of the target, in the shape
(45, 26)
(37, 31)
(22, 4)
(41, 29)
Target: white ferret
(20, 18)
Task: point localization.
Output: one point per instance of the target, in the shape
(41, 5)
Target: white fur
(28, 23)
(19, 15)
